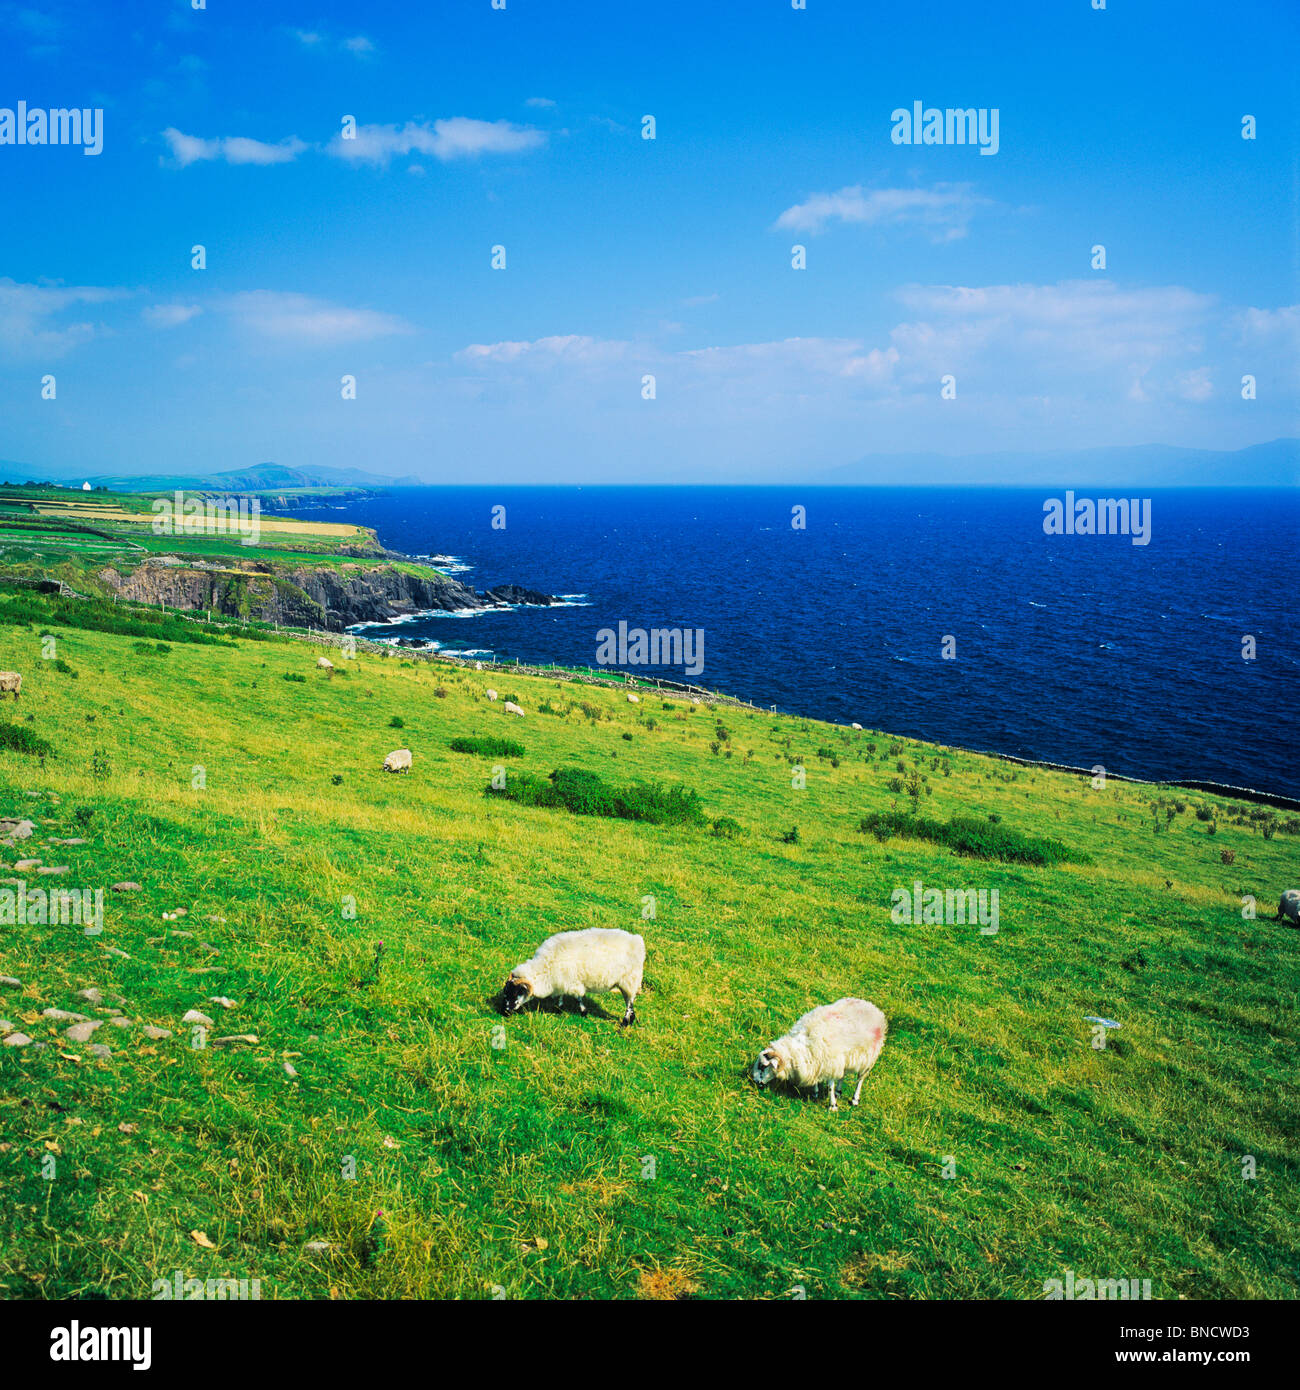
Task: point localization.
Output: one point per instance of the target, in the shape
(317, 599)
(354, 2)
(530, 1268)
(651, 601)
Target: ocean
(1073, 649)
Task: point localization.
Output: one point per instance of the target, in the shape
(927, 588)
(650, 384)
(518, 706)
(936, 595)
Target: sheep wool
(827, 1042)
(579, 963)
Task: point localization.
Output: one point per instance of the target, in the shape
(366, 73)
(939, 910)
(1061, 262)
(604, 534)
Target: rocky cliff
(323, 596)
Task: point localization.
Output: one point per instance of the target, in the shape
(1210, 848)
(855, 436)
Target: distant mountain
(1276, 464)
(260, 477)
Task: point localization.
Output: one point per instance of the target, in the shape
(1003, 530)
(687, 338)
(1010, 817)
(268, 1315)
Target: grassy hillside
(75, 533)
(579, 1159)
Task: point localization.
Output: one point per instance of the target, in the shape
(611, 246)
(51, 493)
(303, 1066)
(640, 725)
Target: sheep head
(770, 1065)
(516, 993)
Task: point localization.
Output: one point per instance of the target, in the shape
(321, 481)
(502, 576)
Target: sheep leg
(858, 1093)
(582, 1006)
(629, 1014)
(834, 1102)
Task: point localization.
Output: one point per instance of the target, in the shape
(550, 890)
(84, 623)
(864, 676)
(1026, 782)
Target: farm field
(389, 1134)
(35, 521)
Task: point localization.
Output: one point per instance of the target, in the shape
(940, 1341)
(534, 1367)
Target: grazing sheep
(399, 760)
(325, 664)
(512, 708)
(1289, 906)
(578, 963)
(857, 726)
(634, 699)
(824, 1044)
(491, 694)
(11, 680)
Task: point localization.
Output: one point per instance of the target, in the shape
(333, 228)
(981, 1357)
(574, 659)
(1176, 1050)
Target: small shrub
(791, 836)
(979, 839)
(1228, 856)
(584, 794)
(337, 779)
(294, 676)
(727, 829)
(18, 738)
(488, 747)
(397, 722)
(627, 738)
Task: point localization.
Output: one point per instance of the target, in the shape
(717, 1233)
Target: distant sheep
(857, 726)
(399, 760)
(324, 664)
(491, 694)
(11, 680)
(823, 1045)
(634, 699)
(1289, 906)
(579, 963)
(512, 708)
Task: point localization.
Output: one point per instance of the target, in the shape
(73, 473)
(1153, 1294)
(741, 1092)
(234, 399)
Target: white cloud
(944, 211)
(1082, 341)
(1264, 325)
(1060, 332)
(458, 137)
(169, 315)
(568, 349)
(298, 318)
(232, 149)
(358, 45)
(31, 323)
(539, 101)
(1196, 385)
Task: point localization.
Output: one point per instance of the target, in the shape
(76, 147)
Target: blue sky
(628, 257)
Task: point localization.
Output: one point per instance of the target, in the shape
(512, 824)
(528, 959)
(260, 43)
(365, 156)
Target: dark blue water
(1070, 649)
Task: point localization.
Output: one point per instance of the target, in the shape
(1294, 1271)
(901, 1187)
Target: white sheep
(1289, 906)
(634, 699)
(857, 726)
(579, 963)
(399, 760)
(491, 694)
(324, 664)
(512, 708)
(824, 1044)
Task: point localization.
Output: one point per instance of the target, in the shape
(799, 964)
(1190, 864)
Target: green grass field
(77, 532)
(374, 1142)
